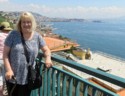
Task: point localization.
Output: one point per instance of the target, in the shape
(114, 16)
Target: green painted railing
(58, 82)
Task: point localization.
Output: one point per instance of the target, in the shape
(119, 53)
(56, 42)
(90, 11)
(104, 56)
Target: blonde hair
(26, 15)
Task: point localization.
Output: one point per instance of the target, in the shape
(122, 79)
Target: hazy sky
(85, 9)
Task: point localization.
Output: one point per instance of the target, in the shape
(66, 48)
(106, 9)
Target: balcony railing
(59, 82)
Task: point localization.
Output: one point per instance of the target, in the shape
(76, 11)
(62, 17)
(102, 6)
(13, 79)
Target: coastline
(106, 37)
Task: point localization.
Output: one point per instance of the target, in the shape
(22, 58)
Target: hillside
(41, 18)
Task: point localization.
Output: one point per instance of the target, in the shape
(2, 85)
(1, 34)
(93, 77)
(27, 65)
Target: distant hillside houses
(40, 18)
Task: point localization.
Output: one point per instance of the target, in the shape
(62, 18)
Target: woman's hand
(9, 74)
(48, 63)
(47, 54)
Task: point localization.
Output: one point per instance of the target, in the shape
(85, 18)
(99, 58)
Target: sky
(83, 9)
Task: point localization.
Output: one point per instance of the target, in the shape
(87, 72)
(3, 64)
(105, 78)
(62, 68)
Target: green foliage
(70, 50)
(63, 38)
(73, 48)
(2, 19)
(60, 36)
(67, 51)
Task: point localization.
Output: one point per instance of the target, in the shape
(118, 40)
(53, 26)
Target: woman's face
(26, 25)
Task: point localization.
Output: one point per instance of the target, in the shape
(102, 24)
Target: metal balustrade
(59, 82)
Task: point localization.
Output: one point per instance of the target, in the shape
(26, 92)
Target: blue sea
(107, 37)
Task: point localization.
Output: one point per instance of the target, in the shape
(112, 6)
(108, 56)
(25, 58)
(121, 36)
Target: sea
(106, 36)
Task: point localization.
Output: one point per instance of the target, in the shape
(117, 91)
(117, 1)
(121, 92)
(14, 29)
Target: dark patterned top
(17, 57)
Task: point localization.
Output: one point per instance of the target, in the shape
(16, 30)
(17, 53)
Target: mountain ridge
(40, 17)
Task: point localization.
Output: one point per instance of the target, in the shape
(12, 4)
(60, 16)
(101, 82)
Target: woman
(14, 58)
(4, 30)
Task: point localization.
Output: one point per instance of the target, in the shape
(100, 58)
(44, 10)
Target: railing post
(48, 82)
(58, 83)
(64, 85)
(77, 91)
(53, 82)
(70, 86)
